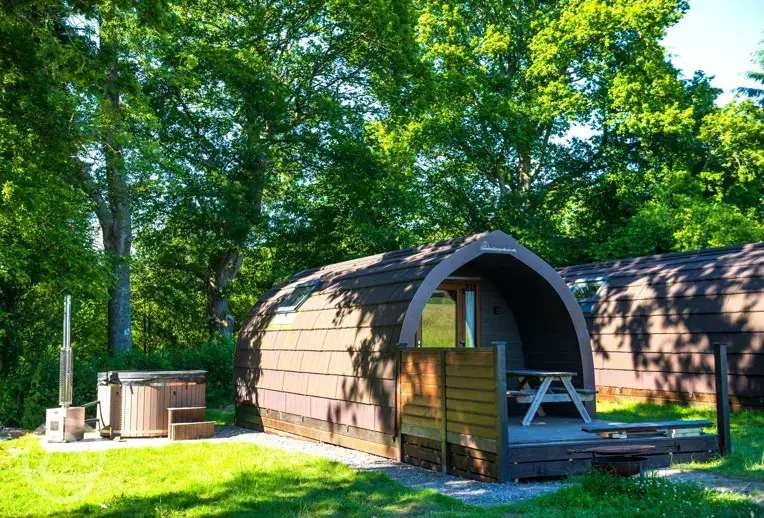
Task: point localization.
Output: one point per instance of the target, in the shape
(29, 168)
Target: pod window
(586, 292)
(295, 299)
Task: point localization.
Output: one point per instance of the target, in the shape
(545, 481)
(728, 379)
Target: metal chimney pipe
(66, 367)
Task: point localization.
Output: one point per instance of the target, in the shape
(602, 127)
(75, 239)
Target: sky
(718, 37)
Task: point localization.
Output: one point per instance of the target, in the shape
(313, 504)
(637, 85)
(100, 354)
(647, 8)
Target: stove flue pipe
(66, 366)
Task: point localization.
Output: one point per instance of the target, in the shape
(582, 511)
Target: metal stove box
(65, 424)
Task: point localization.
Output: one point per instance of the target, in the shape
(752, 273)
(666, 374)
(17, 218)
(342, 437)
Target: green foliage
(222, 146)
(33, 386)
(46, 243)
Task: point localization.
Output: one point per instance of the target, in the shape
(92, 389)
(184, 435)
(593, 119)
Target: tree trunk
(524, 175)
(116, 221)
(221, 270)
(120, 332)
(223, 267)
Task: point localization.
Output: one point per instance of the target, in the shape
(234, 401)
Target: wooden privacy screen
(453, 412)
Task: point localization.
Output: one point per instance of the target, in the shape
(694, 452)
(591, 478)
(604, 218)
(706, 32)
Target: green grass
(439, 323)
(746, 427)
(221, 416)
(603, 495)
(239, 479)
(199, 479)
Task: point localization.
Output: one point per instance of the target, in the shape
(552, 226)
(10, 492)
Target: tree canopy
(167, 161)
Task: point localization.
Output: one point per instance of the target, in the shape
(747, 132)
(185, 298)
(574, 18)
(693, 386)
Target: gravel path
(469, 491)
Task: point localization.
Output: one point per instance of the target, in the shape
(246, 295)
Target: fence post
(443, 416)
(502, 419)
(398, 403)
(722, 398)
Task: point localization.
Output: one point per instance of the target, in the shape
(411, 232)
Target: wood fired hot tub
(135, 403)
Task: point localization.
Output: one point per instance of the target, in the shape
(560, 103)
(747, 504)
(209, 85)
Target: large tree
(248, 95)
(512, 84)
(46, 244)
(115, 133)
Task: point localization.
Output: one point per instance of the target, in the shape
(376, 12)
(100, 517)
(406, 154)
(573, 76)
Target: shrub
(33, 386)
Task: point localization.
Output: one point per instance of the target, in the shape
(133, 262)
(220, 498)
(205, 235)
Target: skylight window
(586, 291)
(295, 299)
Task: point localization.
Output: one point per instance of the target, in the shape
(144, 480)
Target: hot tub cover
(148, 377)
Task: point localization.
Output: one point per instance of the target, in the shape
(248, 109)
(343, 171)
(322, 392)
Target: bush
(33, 387)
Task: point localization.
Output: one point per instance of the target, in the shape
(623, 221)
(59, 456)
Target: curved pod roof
(333, 358)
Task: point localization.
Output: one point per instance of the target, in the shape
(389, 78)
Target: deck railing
(452, 410)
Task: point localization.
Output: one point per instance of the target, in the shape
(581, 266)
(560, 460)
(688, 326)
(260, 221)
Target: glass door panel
(439, 319)
(470, 316)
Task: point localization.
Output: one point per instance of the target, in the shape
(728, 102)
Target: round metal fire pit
(623, 460)
(620, 465)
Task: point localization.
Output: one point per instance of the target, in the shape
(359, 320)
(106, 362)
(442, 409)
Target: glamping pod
(438, 355)
(653, 322)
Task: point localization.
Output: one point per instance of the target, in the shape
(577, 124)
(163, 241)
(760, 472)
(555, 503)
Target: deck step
(186, 414)
(687, 428)
(190, 431)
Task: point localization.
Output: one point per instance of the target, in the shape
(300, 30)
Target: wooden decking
(552, 447)
(548, 429)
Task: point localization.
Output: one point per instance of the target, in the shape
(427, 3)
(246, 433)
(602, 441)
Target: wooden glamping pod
(434, 355)
(654, 320)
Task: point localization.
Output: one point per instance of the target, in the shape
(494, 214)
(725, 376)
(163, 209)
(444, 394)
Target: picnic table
(524, 393)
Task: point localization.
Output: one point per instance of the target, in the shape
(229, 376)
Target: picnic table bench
(545, 393)
(686, 428)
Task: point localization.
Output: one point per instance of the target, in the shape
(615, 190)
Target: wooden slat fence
(452, 410)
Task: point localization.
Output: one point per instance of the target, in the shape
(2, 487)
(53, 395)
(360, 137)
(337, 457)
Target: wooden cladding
(346, 436)
(452, 410)
(654, 323)
(193, 414)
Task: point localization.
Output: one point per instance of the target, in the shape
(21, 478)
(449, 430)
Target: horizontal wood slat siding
(417, 382)
(419, 451)
(464, 425)
(316, 429)
(568, 458)
(655, 321)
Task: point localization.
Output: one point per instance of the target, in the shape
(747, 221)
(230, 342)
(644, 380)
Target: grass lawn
(221, 416)
(747, 429)
(239, 479)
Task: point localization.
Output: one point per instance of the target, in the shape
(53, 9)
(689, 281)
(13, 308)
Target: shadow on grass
(281, 493)
(746, 427)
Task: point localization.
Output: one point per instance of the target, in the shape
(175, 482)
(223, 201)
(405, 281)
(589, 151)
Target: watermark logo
(63, 473)
(485, 246)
